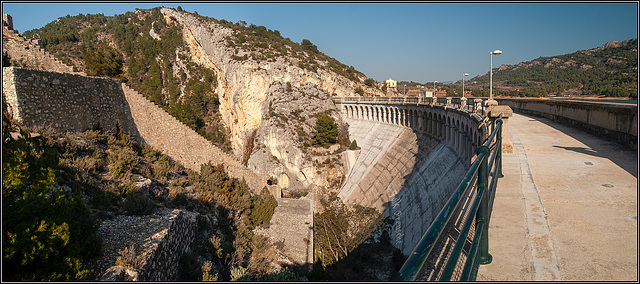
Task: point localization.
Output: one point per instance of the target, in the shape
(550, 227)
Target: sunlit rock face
(246, 88)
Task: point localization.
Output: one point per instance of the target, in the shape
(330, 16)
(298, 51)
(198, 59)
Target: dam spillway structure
(415, 154)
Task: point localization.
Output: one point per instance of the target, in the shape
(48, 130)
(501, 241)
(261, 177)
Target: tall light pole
(434, 88)
(465, 74)
(495, 52)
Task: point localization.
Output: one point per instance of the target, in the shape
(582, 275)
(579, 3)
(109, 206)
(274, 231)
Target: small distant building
(392, 85)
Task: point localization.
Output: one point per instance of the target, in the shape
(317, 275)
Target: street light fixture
(465, 74)
(495, 52)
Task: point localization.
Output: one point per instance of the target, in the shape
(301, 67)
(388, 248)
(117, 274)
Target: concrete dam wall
(405, 174)
(412, 159)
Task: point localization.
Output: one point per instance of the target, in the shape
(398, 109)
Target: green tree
(104, 61)
(338, 230)
(262, 208)
(326, 131)
(307, 45)
(48, 233)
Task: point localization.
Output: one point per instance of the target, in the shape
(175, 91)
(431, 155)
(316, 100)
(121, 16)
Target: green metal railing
(449, 251)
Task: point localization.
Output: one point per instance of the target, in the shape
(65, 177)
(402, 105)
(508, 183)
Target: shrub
(47, 229)
(137, 203)
(128, 258)
(354, 145)
(262, 209)
(206, 272)
(326, 131)
(122, 160)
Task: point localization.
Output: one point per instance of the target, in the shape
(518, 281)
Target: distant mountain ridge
(609, 70)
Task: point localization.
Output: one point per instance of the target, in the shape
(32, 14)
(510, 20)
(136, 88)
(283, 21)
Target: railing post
(499, 154)
(482, 217)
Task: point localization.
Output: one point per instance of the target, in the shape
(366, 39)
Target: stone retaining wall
(159, 240)
(165, 248)
(615, 121)
(71, 102)
(25, 52)
(63, 101)
(164, 132)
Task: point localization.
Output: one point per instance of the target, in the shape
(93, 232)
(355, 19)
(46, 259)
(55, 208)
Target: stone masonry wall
(26, 52)
(165, 251)
(159, 240)
(71, 102)
(63, 101)
(164, 132)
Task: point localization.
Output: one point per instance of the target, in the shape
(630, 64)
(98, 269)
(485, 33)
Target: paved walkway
(566, 209)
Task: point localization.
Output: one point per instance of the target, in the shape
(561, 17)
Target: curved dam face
(404, 174)
(408, 173)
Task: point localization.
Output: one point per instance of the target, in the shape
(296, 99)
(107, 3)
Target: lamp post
(405, 90)
(495, 52)
(434, 88)
(465, 74)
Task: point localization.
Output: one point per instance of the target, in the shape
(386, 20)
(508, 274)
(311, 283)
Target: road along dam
(413, 156)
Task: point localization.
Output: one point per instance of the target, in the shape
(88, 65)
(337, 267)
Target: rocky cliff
(248, 89)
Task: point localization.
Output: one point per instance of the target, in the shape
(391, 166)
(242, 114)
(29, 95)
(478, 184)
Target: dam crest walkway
(566, 208)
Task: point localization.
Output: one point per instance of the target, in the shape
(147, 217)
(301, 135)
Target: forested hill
(608, 70)
(150, 53)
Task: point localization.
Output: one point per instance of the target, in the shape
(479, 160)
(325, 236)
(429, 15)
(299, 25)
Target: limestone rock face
(287, 124)
(245, 89)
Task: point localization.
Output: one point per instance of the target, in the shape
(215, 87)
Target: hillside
(238, 85)
(609, 70)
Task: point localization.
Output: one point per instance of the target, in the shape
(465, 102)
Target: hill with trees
(610, 70)
(152, 57)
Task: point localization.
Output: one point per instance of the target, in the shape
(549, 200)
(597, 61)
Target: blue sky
(419, 41)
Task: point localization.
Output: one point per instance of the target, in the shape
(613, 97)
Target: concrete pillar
(501, 111)
(463, 103)
(477, 105)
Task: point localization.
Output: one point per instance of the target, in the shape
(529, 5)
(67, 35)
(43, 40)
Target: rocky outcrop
(279, 142)
(245, 88)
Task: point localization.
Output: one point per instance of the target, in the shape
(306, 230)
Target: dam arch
(412, 157)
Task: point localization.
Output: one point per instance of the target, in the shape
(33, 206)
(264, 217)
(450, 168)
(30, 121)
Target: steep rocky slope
(248, 89)
(219, 78)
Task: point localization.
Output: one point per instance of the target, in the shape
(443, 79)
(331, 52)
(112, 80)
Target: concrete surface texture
(566, 208)
(292, 223)
(404, 174)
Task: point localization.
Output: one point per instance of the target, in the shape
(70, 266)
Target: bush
(326, 131)
(47, 230)
(104, 61)
(122, 160)
(262, 209)
(354, 145)
(137, 203)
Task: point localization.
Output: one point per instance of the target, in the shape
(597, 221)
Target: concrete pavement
(566, 208)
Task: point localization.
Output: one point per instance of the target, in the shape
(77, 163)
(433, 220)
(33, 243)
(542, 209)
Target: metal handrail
(487, 165)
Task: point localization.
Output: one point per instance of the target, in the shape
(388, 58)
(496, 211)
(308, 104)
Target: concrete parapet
(504, 112)
(618, 122)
